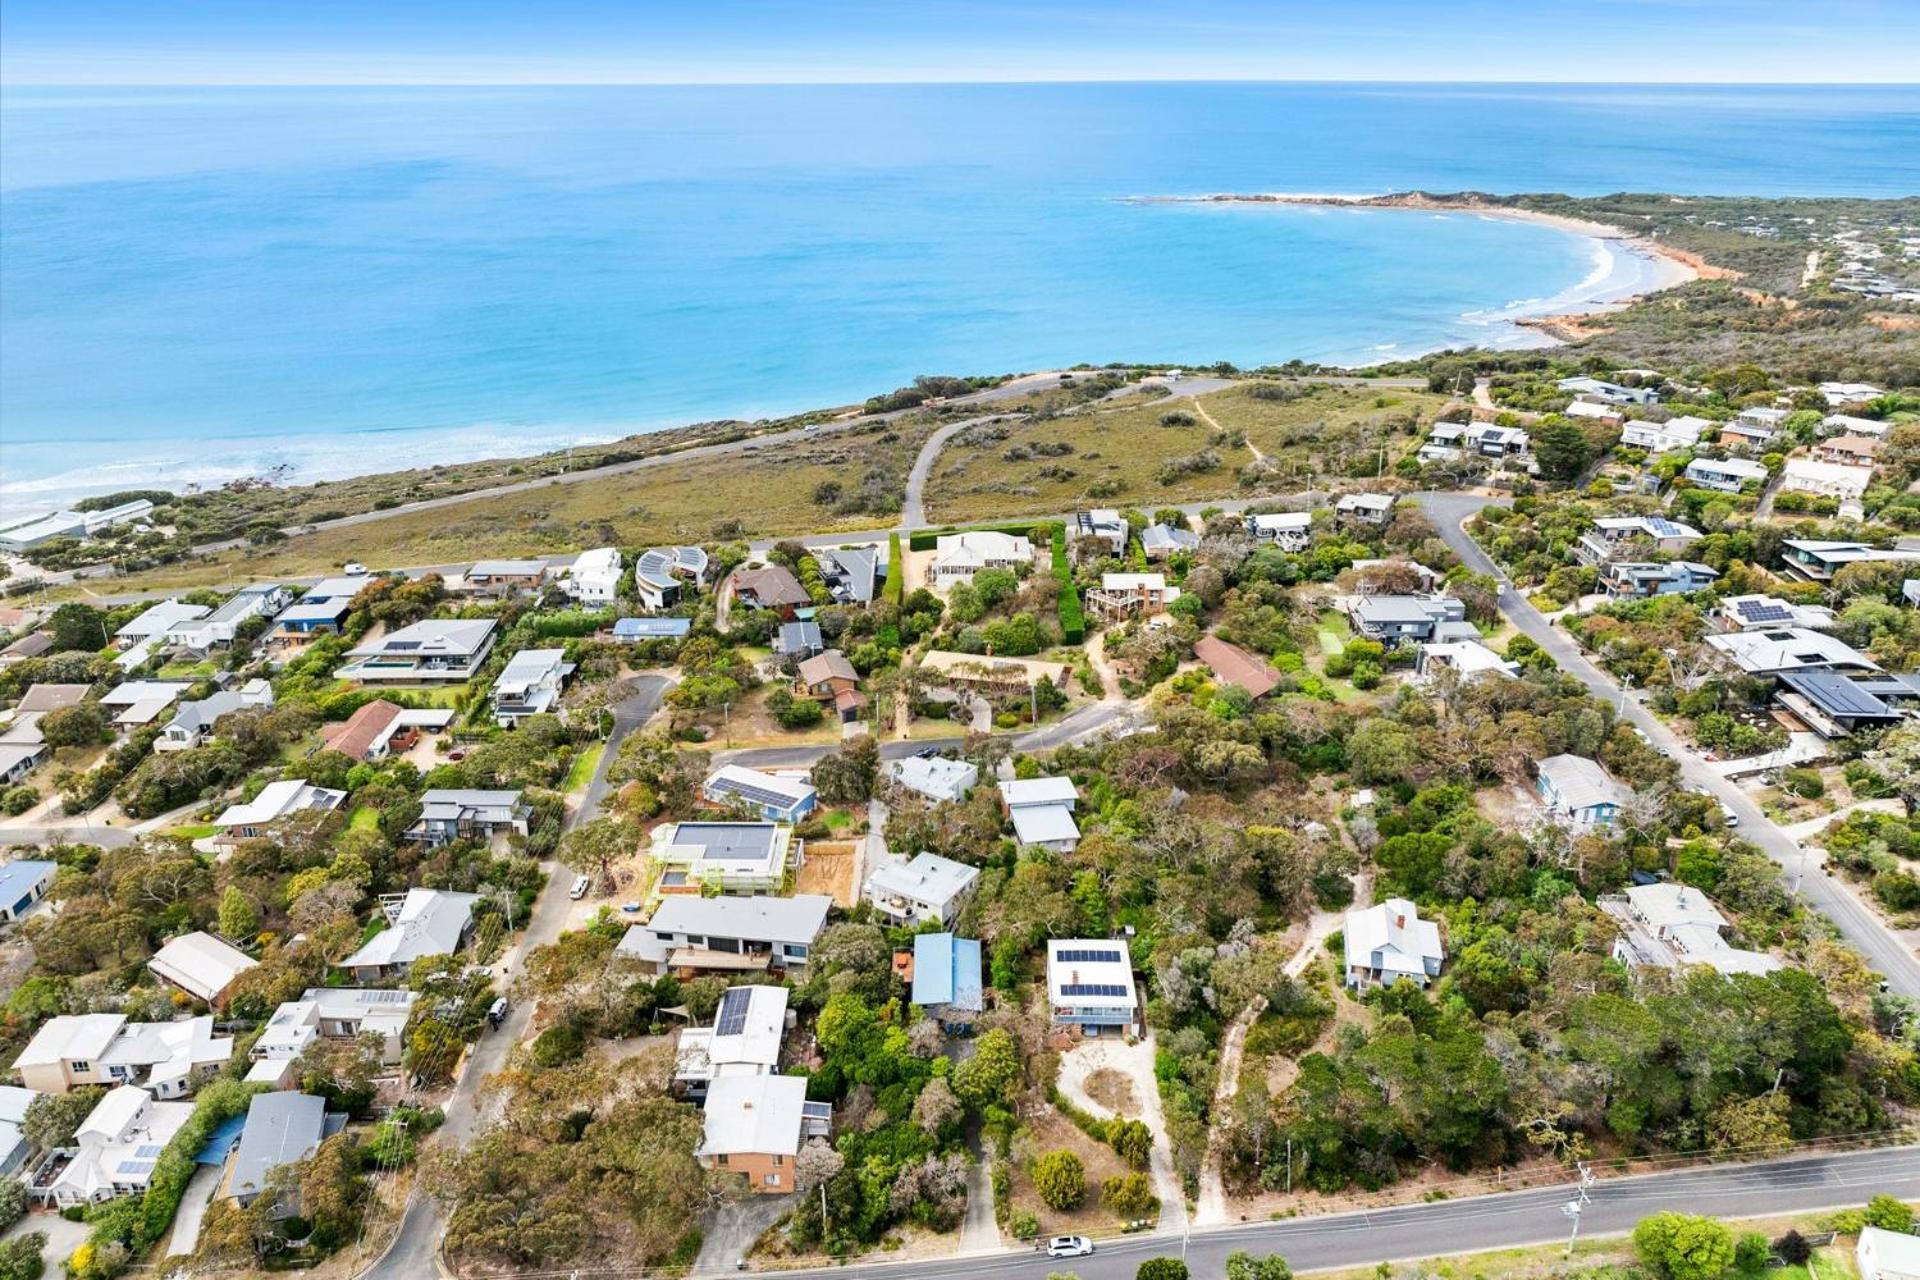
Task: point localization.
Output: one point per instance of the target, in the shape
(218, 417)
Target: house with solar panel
(775, 797)
(1613, 536)
(925, 888)
(661, 573)
(114, 1151)
(1090, 987)
(748, 1029)
(947, 981)
(437, 650)
(1836, 705)
(729, 857)
(1759, 612)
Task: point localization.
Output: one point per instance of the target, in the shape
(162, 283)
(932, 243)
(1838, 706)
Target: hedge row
(1073, 621)
(896, 589)
(925, 539)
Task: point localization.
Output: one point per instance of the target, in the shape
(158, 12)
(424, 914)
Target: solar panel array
(732, 1019)
(148, 1152)
(1093, 989)
(757, 794)
(1665, 528)
(136, 1167)
(1101, 956)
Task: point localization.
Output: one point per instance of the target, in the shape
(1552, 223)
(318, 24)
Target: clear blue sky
(667, 41)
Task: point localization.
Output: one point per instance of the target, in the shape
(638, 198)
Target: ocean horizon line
(14, 81)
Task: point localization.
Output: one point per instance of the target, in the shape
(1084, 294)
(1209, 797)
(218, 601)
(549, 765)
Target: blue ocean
(203, 283)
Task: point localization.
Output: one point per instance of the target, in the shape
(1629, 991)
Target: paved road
(413, 1253)
(1086, 723)
(1861, 927)
(913, 509)
(104, 836)
(1364, 1238)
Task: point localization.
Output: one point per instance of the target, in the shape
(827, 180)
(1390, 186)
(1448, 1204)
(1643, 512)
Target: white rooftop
(1025, 791)
(278, 799)
(1789, 649)
(1581, 783)
(753, 1115)
(748, 1026)
(1044, 824)
(926, 877)
(158, 618)
(200, 964)
(426, 922)
(1090, 973)
(1391, 936)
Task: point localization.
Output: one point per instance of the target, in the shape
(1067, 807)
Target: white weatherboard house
(744, 1040)
(167, 1058)
(594, 578)
(1041, 810)
(1887, 1255)
(1664, 437)
(926, 888)
(958, 556)
(421, 923)
(1090, 986)
(1668, 926)
(201, 965)
(336, 1013)
(1726, 475)
(1824, 479)
(1578, 793)
(935, 777)
(116, 1147)
(1388, 942)
(157, 621)
(1288, 530)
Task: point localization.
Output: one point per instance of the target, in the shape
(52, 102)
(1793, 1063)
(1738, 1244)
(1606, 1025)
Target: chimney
(1399, 922)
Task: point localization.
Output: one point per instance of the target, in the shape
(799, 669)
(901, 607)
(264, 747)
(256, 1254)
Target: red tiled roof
(1236, 666)
(371, 724)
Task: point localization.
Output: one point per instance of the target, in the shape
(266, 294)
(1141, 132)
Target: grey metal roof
(281, 1128)
(1837, 695)
(730, 841)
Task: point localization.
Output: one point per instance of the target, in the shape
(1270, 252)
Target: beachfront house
(223, 624)
(661, 572)
(593, 578)
(501, 578)
(437, 650)
(1090, 987)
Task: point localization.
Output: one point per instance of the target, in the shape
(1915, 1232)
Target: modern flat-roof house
(379, 728)
(114, 1150)
(1726, 475)
(926, 888)
(1824, 479)
(1388, 943)
(448, 814)
(1090, 986)
(140, 702)
(692, 935)
(1664, 437)
(282, 1128)
(502, 577)
(1761, 613)
(1287, 530)
(1233, 665)
(157, 621)
(529, 685)
(1372, 509)
(1397, 620)
(35, 531)
(1816, 560)
(1640, 579)
(1754, 427)
(437, 649)
(1887, 1255)
(1041, 810)
(1121, 595)
(852, 574)
(1835, 705)
(420, 923)
(171, 1059)
(1104, 529)
(637, 630)
(744, 1040)
(223, 624)
(24, 882)
(1578, 793)
(594, 577)
(776, 797)
(323, 608)
(1491, 441)
(752, 1127)
(193, 722)
(1669, 926)
(1609, 392)
(201, 965)
(799, 639)
(254, 818)
(1467, 657)
(829, 678)
(947, 978)
(336, 1013)
(958, 556)
(770, 587)
(1776, 650)
(730, 857)
(1613, 535)
(1159, 541)
(660, 572)
(935, 777)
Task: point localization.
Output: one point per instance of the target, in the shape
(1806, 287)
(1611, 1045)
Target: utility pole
(1572, 1210)
(1289, 1166)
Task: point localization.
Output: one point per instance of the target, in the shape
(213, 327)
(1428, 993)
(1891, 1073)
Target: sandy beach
(1627, 267)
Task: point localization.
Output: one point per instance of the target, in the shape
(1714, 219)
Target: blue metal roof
(221, 1142)
(651, 628)
(946, 970)
(18, 879)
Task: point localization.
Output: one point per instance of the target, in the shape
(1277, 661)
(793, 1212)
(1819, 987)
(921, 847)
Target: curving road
(1363, 1238)
(1895, 961)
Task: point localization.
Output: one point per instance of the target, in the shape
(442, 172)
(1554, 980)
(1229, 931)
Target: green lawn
(198, 831)
(186, 671)
(583, 766)
(364, 818)
(1826, 1264)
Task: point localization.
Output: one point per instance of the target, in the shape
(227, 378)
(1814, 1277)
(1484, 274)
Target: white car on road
(1069, 1247)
